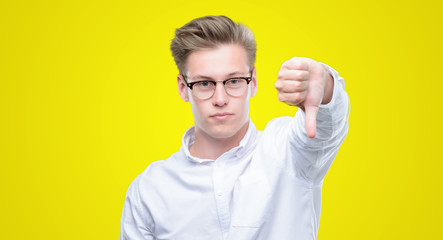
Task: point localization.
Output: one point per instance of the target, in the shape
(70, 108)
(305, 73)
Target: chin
(222, 132)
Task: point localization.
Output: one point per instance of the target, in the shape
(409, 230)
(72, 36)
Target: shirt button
(219, 193)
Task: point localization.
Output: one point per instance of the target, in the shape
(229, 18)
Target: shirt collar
(236, 152)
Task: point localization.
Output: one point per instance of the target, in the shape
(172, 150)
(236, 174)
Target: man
(228, 180)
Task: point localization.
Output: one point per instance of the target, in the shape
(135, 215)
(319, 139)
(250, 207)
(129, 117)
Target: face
(221, 116)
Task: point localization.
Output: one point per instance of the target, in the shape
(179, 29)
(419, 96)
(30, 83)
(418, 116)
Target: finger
(295, 75)
(295, 64)
(317, 74)
(291, 86)
(293, 99)
(311, 120)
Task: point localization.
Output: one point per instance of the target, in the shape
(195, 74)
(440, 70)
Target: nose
(220, 97)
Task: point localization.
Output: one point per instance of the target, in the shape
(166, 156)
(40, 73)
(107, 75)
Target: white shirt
(268, 187)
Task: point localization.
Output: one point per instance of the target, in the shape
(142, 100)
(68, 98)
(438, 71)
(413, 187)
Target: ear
(253, 83)
(182, 88)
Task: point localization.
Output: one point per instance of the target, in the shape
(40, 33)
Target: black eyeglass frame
(191, 85)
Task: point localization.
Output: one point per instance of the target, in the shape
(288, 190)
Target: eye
(204, 84)
(234, 81)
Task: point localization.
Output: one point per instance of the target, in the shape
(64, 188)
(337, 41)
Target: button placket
(220, 197)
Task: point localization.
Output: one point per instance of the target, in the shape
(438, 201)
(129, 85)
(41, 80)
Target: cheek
(246, 107)
(247, 101)
(198, 110)
(243, 107)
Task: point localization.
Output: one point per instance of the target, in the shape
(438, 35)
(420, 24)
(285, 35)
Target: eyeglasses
(205, 89)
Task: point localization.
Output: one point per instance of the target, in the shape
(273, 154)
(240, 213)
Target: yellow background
(88, 99)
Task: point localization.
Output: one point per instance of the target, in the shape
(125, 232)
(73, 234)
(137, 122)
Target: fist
(303, 82)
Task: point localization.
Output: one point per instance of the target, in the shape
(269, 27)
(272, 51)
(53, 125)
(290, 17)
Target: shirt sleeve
(312, 157)
(136, 222)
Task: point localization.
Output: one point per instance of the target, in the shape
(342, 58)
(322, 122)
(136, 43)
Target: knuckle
(298, 86)
(305, 75)
(298, 65)
(286, 65)
(300, 74)
(278, 85)
(296, 97)
(300, 97)
(292, 63)
(293, 86)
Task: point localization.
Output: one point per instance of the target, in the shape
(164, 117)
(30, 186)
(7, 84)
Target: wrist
(329, 87)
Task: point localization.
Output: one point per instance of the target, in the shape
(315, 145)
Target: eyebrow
(198, 77)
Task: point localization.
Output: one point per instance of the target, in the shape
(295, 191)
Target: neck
(208, 147)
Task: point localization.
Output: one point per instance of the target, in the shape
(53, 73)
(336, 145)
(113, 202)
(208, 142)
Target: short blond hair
(210, 32)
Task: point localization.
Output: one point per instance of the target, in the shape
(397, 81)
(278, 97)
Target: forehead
(218, 62)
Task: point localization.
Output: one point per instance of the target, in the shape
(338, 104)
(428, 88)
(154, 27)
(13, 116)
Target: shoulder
(146, 188)
(278, 122)
(157, 171)
(275, 135)
(278, 126)
(145, 180)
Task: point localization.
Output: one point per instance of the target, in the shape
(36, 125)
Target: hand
(304, 83)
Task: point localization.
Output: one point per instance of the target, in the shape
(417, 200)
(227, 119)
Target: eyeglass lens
(233, 87)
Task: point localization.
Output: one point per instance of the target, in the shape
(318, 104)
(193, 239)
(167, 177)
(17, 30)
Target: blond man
(228, 180)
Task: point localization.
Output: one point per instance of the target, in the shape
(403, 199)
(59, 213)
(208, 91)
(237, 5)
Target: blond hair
(210, 32)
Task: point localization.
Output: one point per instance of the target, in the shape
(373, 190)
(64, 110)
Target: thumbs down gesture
(305, 83)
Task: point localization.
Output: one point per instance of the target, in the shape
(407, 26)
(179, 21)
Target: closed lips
(221, 114)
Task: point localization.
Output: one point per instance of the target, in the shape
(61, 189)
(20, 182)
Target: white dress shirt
(268, 187)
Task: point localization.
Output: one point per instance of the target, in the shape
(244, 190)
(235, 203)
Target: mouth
(221, 116)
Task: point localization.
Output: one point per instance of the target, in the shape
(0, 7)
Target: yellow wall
(88, 99)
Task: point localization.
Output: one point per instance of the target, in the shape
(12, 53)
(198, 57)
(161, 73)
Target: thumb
(311, 120)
